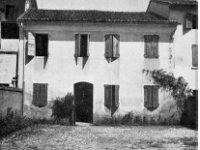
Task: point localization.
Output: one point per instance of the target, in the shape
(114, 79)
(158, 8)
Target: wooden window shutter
(155, 97)
(107, 96)
(108, 46)
(31, 44)
(151, 46)
(88, 45)
(116, 39)
(40, 94)
(195, 55)
(147, 50)
(77, 45)
(151, 97)
(146, 96)
(154, 46)
(116, 96)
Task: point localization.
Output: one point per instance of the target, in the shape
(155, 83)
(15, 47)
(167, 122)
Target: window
(40, 94)
(191, 21)
(41, 44)
(151, 46)
(9, 30)
(11, 12)
(112, 46)
(4, 85)
(81, 45)
(111, 97)
(194, 55)
(151, 97)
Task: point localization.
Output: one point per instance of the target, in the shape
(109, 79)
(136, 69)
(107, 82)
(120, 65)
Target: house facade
(99, 56)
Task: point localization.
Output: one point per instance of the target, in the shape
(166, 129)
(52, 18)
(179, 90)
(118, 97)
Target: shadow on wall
(84, 61)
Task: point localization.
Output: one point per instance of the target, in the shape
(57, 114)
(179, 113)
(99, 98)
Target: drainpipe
(23, 67)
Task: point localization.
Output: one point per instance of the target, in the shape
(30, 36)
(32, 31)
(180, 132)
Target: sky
(110, 5)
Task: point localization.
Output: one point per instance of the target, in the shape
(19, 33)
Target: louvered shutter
(154, 46)
(147, 51)
(151, 46)
(145, 96)
(35, 94)
(117, 96)
(155, 97)
(77, 45)
(31, 44)
(148, 97)
(194, 55)
(107, 96)
(88, 45)
(40, 94)
(108, 46)
(116, 39)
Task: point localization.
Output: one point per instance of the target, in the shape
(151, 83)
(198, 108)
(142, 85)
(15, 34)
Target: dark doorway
(83, 92)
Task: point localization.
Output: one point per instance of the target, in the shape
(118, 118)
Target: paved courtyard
(47, 137)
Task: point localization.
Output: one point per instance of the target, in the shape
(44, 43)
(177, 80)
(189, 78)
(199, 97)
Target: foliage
(128, 119)
(12, 122)
(62, 107)
(177, 87)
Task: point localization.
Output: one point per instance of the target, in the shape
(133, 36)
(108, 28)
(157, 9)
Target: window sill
(194, 68)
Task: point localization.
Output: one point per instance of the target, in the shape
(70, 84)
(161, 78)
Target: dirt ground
(47, 137)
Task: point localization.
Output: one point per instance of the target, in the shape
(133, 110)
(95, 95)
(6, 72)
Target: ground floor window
(40, 94)
(111, 97)
(151, 94)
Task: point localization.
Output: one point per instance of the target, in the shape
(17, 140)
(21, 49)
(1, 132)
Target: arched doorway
(83, 92)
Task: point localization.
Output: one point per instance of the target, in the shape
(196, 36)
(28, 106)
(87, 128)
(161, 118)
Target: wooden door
(83, 92)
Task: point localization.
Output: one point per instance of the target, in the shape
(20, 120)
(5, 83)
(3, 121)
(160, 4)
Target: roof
(177, 2)
(91, 16)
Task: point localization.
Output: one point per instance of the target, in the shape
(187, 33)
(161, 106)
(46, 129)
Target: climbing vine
(177, 87)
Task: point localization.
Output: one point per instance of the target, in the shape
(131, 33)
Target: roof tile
(91, 16)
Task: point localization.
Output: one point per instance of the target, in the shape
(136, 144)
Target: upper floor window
(9, 30)
(151, 101)
(195, 55)
(11, 12)
(81, 45)
(112, 46)
(151, 46)
(41, 44)
(191, 21)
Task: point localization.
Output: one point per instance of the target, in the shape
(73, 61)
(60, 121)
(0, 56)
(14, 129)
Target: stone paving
(50, 137)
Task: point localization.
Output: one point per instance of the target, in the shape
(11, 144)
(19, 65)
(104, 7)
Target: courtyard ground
(47, 137)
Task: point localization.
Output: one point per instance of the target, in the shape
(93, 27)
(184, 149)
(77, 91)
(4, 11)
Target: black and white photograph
(98, 74)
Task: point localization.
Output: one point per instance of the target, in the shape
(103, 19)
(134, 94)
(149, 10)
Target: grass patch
(12, 122)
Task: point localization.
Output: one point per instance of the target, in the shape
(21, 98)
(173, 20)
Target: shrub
(112, 121)
(12, 122)
(128, 119)
(62, 107)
